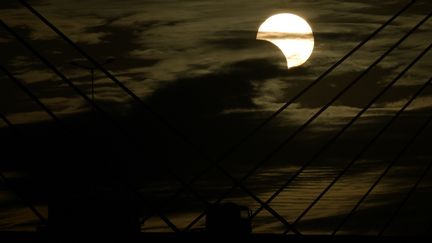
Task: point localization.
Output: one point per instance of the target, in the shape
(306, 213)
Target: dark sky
(198, 64)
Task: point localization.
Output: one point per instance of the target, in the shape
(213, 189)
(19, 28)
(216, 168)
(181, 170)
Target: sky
(199, 65)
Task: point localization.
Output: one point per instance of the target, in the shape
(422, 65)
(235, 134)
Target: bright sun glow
(290, 33)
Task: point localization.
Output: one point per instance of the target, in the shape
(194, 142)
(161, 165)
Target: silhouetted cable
(324, 108)
(48, 111)
(391, 164)
(184, 184)
(315, 82)
(342, 131)
(168, 222)
(148, 108)
(17, 192)
(54, 69)
(357, 157)
(114, 79)
(321, 77)
(302, 92)
(89, 101)
(406, 198)
(58, 121)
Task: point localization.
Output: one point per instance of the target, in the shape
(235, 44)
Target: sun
(291, 34)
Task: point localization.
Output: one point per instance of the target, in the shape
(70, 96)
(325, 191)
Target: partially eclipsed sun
(291, 34)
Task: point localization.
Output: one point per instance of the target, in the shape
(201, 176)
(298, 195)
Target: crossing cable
(356, 158)
(132, 140)
(243, 140)
(155, 114)
(10, 185)
(94, 105)
(59, 122)
(138, 100)
(395, 160)
(316, 115)
(342, 131)
(56, 71)
(97, 108)
(312, 84)
(405, 199)
(163, 217)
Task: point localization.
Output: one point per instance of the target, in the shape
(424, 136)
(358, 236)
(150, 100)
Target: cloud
(35, 76)
(161, 50)
(66, 106)
(214, 92)
(420, 103)
(83, 29)
(28, 117)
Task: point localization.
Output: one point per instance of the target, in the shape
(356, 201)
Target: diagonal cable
(315, 82)
(395, 160)
(154, 113)
(324, 108)
(342, 131)
(357, 157)
(184, 184)
(405, 199)
(84, 96)
(138, 100)
(59, 122)
(234, 148)
(56, 71)
(407, 196)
